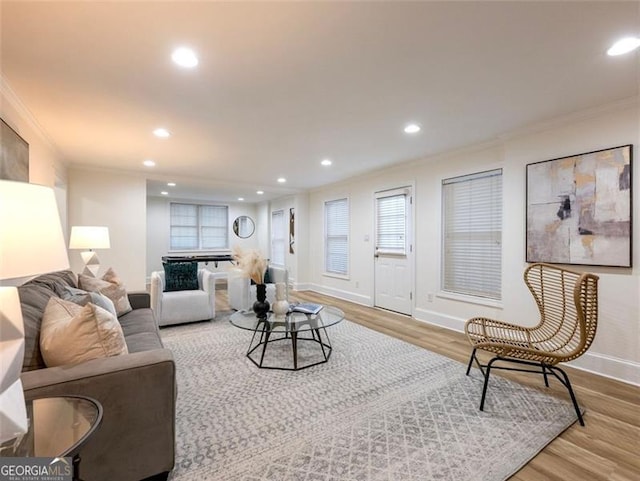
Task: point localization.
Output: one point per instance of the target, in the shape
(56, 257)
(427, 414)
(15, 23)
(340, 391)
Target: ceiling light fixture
(149, 163)
(240, 199)
(162, 133)
(326, 162)
(282, 180)
(624, 45)
(164, 192)
(171, 184)
(259, 192)
(184, 57)
(412, 129)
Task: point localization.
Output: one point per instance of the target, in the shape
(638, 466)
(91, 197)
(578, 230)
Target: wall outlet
(357, 284)
(430, 297)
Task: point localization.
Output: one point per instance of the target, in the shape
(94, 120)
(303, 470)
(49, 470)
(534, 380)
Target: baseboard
(439, 319)
(599, 364)
(340, 294)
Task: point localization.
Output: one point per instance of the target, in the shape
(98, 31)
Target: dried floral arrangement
(251, 263)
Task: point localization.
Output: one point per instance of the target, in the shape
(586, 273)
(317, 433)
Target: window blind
(391, 224)
(336, 245)
(472, 234)
(198, 227)
(277, 237)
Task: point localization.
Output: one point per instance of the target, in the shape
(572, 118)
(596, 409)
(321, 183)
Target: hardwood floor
(607, 448)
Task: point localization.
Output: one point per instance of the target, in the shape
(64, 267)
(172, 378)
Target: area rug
(380, 409)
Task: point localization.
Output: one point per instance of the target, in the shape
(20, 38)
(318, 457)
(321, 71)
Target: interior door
(394, 250)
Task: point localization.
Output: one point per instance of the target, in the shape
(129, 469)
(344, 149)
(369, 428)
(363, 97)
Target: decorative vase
(261, 306)
(281, 306)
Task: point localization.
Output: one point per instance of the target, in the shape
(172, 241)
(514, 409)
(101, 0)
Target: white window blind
(198, 227)
(336, 242)
(391, 222)
(277, 237)
(472, 234)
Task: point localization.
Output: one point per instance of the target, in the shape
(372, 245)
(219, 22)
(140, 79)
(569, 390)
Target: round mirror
(243, 226)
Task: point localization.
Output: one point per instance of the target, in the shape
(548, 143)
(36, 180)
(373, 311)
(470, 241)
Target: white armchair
(242, 294)
(177, 307)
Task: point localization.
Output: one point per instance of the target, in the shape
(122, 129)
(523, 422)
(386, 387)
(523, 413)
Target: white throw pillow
(71, 334)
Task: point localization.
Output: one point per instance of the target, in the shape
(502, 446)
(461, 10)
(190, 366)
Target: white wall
(118, 201)
(158, 221)
(616, 350)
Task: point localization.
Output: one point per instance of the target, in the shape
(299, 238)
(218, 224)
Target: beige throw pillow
(111, 286)
(71, 334)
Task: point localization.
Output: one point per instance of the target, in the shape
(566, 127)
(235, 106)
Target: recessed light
(282, 180)
(412, 129)
(171, 184)
(184, 57)
(624, 45)
(259, 192)
(164, 192)
(162, 133)
(149, 163)
(240, 199)
(326, 162)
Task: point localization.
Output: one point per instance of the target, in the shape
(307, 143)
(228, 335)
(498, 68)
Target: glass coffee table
(296, 328)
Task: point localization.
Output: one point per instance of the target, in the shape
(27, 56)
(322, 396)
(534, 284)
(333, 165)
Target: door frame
(411, 244)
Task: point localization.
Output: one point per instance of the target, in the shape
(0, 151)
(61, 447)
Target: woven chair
(568, 305)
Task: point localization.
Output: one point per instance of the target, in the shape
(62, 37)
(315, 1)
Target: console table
(215, 258)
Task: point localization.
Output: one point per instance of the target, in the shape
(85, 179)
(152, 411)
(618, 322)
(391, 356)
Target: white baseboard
(340, 294)
(600, 364)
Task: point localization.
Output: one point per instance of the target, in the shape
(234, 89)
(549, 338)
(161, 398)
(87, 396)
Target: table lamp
(89, 237)
(31, 243)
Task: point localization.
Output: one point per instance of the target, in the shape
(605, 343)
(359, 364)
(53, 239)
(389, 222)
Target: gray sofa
(137, 390)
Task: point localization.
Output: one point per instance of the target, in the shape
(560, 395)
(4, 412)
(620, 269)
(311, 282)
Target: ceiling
(281, 86)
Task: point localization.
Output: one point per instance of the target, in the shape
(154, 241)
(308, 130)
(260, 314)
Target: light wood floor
(607, 448)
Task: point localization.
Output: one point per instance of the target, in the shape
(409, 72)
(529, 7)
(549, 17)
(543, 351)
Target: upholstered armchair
(242, 294)
(177, 307)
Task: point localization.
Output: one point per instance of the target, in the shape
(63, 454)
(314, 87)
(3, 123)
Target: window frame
(492, 295)
(200, 225)
(275, 240)
(327, 238)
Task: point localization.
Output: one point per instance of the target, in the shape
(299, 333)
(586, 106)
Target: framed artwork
(14, 155)
(292, 231)
(579, 209)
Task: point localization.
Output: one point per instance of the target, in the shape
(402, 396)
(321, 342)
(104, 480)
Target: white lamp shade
(31, 239)
(89, 237)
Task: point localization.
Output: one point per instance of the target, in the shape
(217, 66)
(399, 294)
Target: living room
(115, 190)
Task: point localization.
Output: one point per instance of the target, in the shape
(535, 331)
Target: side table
(58, 428)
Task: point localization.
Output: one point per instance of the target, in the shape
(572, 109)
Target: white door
(394, 250)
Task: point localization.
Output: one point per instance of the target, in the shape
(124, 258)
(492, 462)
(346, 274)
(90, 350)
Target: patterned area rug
(380, 409)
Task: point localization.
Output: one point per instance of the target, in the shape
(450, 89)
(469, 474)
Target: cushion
(180, 276)
(82, 298)
(111, 286)
(72, 334)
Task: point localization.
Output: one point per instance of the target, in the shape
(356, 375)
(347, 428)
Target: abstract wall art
(14, 155)
(579, 209)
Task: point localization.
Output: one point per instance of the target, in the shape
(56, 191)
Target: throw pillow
(180, 276)
(71, 334)
(82, 298)
(111, 286)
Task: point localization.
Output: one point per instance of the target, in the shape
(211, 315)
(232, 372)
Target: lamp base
(91, 263)
(13, 414)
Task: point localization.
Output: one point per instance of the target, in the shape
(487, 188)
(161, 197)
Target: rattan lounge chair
(568, 305)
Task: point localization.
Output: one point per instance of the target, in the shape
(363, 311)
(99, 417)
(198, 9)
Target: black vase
(261, 306)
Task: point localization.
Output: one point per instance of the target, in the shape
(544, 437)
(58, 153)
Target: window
(391, 223)
(472, 234)
(198, 227)
(277, 237)
(336, 241)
